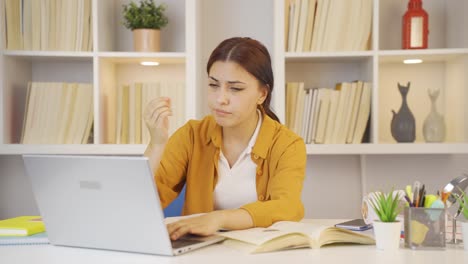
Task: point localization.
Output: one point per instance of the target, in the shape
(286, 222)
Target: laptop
(103, 202)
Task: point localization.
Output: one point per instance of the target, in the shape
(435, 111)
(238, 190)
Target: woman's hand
(209, 223)
(156, 117)
(203, 225)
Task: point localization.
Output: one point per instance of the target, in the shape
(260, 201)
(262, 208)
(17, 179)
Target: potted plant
(387, 230)
(462, 199)
(145, 20)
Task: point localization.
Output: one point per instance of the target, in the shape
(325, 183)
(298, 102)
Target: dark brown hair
(251, 55)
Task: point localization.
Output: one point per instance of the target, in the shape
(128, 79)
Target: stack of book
(23, 230)
(327, 25)
(49, 25)
(58, 113)
(326, 115)
(131, 104)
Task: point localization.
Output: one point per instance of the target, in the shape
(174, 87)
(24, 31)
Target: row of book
(329, 115)
(58, 113)
(64, 25)
(327, 25)
(131, 103)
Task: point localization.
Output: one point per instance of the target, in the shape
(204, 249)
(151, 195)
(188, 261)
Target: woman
(240, 165)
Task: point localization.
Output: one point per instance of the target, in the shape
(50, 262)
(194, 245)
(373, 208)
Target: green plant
(146, 15)
(463, 201)
(386, 206)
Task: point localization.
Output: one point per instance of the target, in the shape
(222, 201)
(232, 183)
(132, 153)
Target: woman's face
(233, 94)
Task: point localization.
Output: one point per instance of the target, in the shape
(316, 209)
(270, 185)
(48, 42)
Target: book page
(256, 236)
(340, 235)
(313, 231)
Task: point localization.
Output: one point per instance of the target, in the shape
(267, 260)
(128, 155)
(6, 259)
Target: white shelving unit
(195, 30)
(196, 27)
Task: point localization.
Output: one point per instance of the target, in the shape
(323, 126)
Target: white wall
(332, 187)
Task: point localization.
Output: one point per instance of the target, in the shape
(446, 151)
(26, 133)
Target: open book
(290, 235)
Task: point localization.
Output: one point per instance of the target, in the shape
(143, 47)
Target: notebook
(103, 202)
(39, 238)
(21, 226)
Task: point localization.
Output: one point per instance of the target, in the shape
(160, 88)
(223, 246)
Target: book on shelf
(13, 25)
(334, 99)
(340, 120)
(301, 31)
(285, 235)
(294, 24)
(48, 25)
(57, 113)
(319, 29)
(313, 116)
(21, 226)
(349, 104)
(299, 109)
(310, 25)
(306, 114)
(287, 10)
(363, 114)
(292, 89)
(36, 239)
(357, 86)
(327, 25)
(130, 104)
(324, 97)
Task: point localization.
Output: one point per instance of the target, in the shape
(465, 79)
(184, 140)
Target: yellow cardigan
(191, 156)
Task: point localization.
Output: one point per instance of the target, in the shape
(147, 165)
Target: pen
(408, 200)
(423, 200)
(422, 193)
(416, 187)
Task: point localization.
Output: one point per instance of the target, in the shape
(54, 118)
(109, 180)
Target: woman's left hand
(203, 225)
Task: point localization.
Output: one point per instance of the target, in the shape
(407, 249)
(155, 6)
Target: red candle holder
(415, 26)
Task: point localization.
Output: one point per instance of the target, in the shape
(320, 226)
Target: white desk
(222, 254)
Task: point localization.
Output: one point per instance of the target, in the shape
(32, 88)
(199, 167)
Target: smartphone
(355, 225)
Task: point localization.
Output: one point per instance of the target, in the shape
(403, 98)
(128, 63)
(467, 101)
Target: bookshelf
(196, 27)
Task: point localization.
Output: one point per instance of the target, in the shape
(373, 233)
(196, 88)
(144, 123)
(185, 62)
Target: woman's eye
(236, 89)
(213, 85)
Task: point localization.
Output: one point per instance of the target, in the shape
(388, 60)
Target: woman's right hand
(156, 117)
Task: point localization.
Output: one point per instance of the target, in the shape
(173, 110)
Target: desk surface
(222, 254)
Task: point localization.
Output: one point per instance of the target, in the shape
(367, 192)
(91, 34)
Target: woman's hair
(251, 55)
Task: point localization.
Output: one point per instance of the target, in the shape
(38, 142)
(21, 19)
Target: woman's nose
(223, 97)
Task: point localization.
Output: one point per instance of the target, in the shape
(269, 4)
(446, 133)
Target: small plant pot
(387, 235)
(465, 234)
(146, 40)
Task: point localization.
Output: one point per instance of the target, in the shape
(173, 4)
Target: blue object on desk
(175, 208)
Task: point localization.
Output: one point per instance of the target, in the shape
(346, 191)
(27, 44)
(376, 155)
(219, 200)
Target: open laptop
(104, 202)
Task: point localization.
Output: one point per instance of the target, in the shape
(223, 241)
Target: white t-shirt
(236, 186)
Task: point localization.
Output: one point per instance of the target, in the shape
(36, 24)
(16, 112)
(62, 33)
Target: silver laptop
(104, 202)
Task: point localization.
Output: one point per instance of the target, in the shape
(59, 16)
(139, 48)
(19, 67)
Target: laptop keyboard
(185, 241)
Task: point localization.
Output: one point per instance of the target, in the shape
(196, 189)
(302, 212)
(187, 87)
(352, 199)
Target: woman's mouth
(221, 112)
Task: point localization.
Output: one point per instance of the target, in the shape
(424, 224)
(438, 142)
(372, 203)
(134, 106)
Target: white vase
(387, 235)
(434, 124)
(465, 234)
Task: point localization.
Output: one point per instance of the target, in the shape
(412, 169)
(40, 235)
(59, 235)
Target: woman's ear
(263, 95)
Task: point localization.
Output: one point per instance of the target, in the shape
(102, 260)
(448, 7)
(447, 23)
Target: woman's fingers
(204, 225)
(155, 107)
(160, 114)
(179, 230)
(156, 119)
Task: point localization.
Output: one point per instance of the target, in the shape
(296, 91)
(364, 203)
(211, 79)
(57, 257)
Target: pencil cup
(424, 228)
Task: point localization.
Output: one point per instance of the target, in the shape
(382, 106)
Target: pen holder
(424, 228)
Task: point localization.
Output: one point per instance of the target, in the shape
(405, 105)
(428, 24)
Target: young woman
(240, 165)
